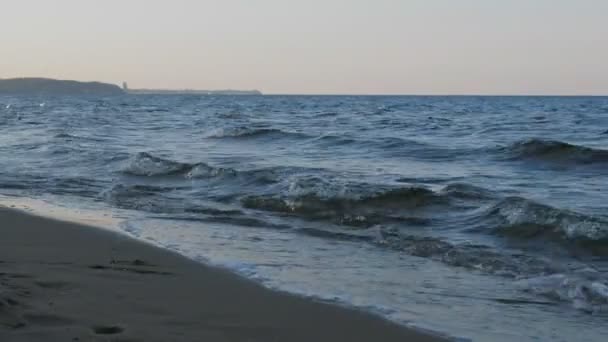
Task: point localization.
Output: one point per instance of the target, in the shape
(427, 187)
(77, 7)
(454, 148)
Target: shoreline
(68, 281)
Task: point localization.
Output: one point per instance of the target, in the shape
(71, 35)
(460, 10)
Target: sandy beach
(62, 281)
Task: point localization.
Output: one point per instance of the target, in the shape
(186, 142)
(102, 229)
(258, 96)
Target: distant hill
(192, 92)
(47, 86)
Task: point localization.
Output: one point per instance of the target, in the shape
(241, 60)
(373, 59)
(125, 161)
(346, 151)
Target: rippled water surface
(479, 217)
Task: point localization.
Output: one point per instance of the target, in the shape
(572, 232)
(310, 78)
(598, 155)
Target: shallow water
(478, 217)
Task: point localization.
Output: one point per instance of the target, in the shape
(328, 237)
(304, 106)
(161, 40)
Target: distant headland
(47, 86)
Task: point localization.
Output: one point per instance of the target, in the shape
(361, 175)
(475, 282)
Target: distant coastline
(48, 86)
(191, 92)
(38, 86)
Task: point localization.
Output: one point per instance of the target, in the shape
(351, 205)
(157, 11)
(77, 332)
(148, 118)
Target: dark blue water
(479, 217)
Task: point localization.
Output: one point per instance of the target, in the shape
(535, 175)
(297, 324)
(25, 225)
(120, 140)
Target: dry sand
(62, 281)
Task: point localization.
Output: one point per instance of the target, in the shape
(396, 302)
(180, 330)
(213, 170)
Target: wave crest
(519, 217)
(556, 151)
(248, 132)
(474, 257)
(360, 210)
(585, 290)
(147, 165)
(471, 256)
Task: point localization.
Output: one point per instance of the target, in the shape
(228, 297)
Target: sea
(479, 218)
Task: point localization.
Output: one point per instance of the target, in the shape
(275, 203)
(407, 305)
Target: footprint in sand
(54, 285)
(107, 330)
(136, 262)
(128, 269)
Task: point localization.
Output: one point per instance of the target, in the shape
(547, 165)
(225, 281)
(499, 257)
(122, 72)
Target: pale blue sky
(314, 46)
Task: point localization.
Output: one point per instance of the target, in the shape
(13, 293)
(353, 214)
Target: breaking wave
(145, 164)
(526, 219)
(585, 290)
(350, 209)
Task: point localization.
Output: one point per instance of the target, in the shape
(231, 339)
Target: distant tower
(125, 86)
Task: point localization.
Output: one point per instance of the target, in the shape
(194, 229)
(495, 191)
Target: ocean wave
(138, 191)
(464, 206)
(467, 191)
(248, 132)
(139, 197)
(65, 136)
(470, 256)
(350, 205)
(145, 164)
(150, 109)
(325, 140)
(337, 234)
(385, 144)
(403, 197)
(202, 170)
(526, 219)
(65, 185)
(556, 151)
(161, 201)
(475, 257)
(586, 290)
(71, 137)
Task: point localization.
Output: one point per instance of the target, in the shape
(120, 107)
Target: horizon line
(177, 90)
(438, 95)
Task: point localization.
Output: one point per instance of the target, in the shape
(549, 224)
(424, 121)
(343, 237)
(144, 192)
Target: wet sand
(63, 281)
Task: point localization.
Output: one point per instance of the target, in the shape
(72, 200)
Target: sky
(520, 47)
